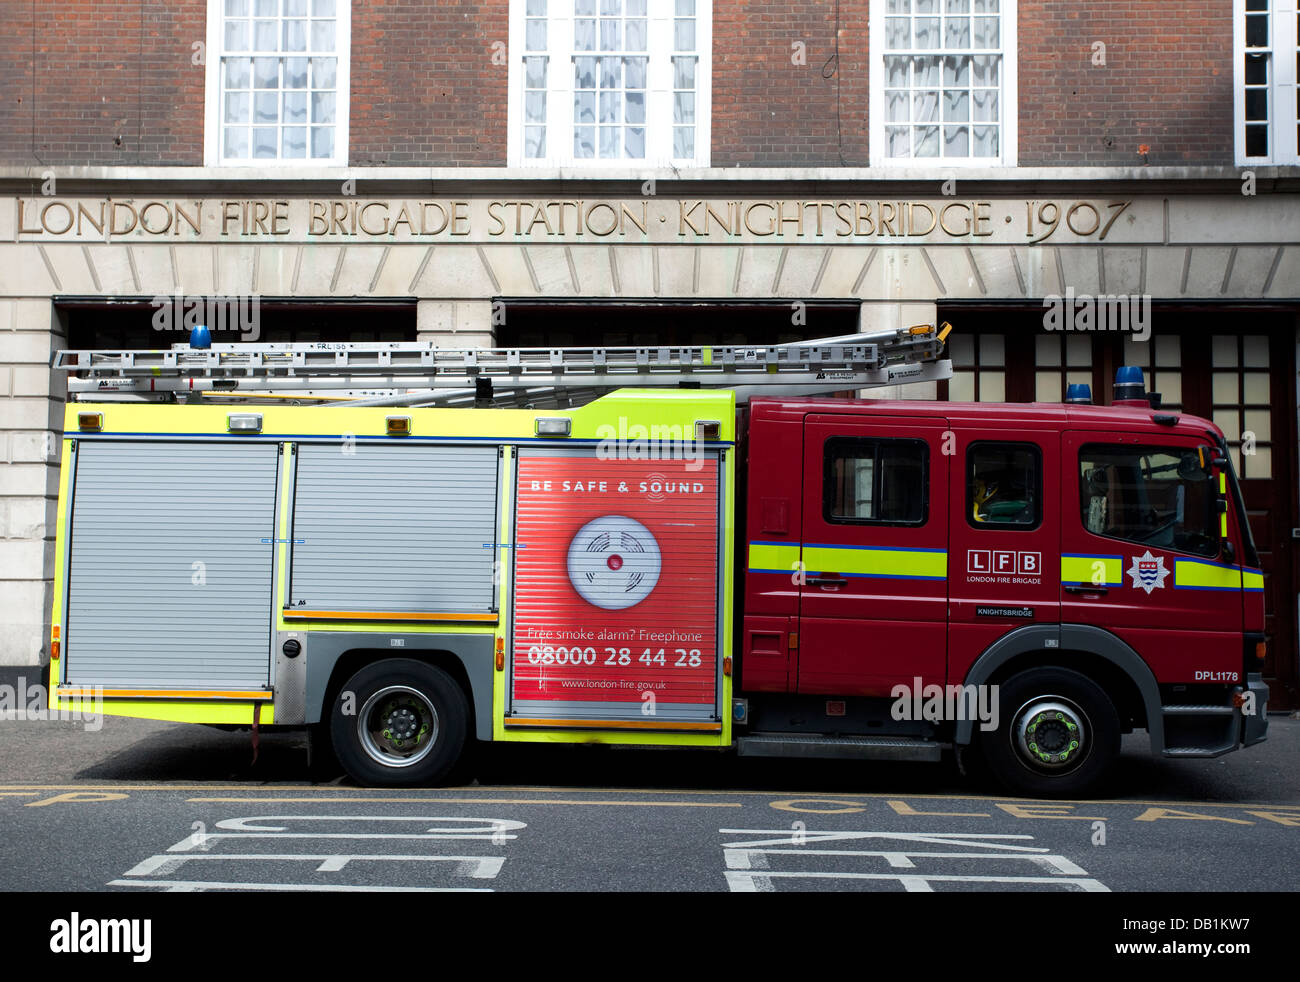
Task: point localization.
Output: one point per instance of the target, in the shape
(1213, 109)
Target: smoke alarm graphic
(614, 562)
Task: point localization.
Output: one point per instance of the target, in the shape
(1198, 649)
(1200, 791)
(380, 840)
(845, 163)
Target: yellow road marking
(18, 794)
(903, 808)
(72, 796)
(792, 805)
(847, 796)
(479, 801)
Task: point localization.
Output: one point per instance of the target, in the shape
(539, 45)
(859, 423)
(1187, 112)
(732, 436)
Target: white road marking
(153, 872)
(749, 862)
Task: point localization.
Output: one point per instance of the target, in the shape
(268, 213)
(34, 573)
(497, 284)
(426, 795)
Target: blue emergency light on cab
(1130, 387)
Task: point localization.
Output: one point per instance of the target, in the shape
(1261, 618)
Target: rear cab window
(876, 482)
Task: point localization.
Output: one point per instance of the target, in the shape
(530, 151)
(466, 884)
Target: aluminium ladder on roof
(422, 373)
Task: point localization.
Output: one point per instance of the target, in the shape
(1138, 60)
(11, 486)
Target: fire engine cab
(456, 550)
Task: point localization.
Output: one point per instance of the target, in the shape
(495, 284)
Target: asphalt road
(177, 807)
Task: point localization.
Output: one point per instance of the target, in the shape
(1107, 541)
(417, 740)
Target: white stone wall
(31, 414)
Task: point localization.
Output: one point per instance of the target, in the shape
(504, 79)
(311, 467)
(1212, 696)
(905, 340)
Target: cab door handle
(1080, 588)
(828, 579)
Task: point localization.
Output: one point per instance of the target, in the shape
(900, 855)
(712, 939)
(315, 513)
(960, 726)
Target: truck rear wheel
(399, 722)
(1058, 734)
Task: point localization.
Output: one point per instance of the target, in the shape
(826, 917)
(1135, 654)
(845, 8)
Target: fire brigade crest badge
(1148, 571)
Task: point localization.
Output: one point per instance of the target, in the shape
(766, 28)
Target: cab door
(873, 606)
(1005, 538)
(1142, 554)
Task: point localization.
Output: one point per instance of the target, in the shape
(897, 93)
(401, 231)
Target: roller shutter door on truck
(171, 550)
(394, 529)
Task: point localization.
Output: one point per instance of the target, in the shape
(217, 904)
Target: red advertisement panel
(616, 572)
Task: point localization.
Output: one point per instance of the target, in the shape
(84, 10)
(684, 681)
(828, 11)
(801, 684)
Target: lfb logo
(1006, 562)
(1148, 571)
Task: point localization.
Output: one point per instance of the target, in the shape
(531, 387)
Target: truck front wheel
(1058, 734)
(399, 722)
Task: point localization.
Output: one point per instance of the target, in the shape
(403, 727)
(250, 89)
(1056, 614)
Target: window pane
(897, 32)
(634, 72)
(927, 141)
(609, 142)
(896, 72)
(322, 107)
(1224, 387)
(1078, 350)
(584, 108)
(956, 32)
(1259, 422)
(1257, 31)
(683, 108)
(324, 73)
(1004, 483)
(322, 35)
(535, 35)
(1257, 141)
(1047, 350)
(900, 144)
(264, 35)
(683, 142)
(925, 107)
(236, 35)
(895, 106)
(295, 109)
(956, 141)
(1158, 498)
(584, 34)
(984, 141)
(322, 141)
(1256, 69)
(1257, 388)
(294, 142)
(1168, 354)
(266, 8)
(323, 8)
(1257, 104)
(985, 69)
(683, 36)
(236, 8)
(956, 6)
(1223, 351)
(237, 107)
(986, 32)
(961, 387)
(584, 141)
(295, 35)
(534, 141)
(1256, 350)
(295, 73)
(993, 387)
(236, 142)
(875, 481)
(609, 107)
(683, 73)
(956, 71)
(634, 142)
(535, 107)
(1258, 465)
(237, 72)
(1228, 420)
(956, 106)
(993, 350)
(295, 8)
(265, 107)
(264, 141)
(927, 32)
(1047, 386)
(266, 73)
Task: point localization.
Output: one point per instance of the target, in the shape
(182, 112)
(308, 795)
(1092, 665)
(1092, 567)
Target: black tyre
(1058, 734)
(399, 722)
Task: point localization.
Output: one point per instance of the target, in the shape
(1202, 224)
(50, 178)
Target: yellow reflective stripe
(1193, 574)
(1252, 579)
(930, 564)
(1098, 570)
(778, 556)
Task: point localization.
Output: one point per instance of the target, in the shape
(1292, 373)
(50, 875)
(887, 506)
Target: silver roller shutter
(141, 613)
(401, 528)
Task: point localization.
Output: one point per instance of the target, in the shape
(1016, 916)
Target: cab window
(1004, 486)
(876, 482)
(1154, 496)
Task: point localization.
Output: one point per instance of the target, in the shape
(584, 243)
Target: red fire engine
(796, 577)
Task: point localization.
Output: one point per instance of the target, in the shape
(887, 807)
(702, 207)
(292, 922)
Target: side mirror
(1211, 458)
